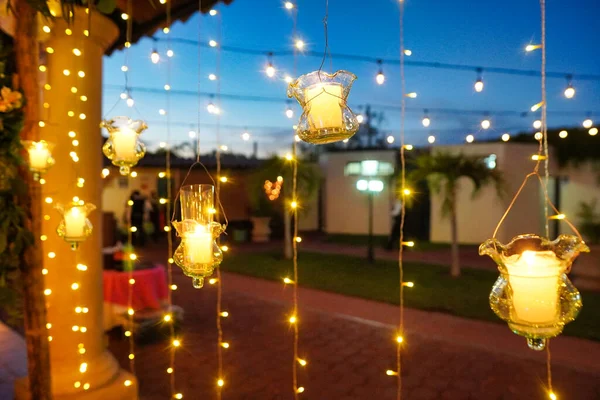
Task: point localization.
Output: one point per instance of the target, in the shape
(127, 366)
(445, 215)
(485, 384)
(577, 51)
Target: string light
(212, 12)
(212, 77)
(411, 95)
(270, 69)
(593, 131)
(479, 82)
(245, 136)
(289, 5)
(289, 112)
(485, 124)
(426, 121)
(431, 139)
(505, 137)
(563, 134)
(587, 123)
(170, 53)
(537, 106)
(538, 136)
(407, 52)
(212, 43)
(299, 44)
(155, 56)
(570, 90)
(537, 124)
(470, 138)
(390, 139)
(531, 47)
(380, 77)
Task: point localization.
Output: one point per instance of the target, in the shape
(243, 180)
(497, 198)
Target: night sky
(486, 34)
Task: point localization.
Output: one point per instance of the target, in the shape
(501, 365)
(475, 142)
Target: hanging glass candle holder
(326, 117)
(123, 147)
(198, 254)
(75, 227)
(40, 157)
(533, 293)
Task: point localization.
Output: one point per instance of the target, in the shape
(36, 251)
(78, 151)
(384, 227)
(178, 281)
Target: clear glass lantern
(123, 147)
(40, 157)
(75, 227)
(326, 117)
(533, 293)
(198, 254)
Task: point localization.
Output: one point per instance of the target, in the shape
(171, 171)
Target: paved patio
(349, 345)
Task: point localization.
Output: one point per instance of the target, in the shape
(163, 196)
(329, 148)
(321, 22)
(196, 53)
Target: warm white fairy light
(569, 91)
(212, 43)
(390, 139)
(479, 82)
(212, 77)
(426, 121)
(245, 136)
(213, 12)
(537, 124)
(288, 5)
(593, 131)
(431, 139)
(299, 44)
(563, 134)
(470, 138)
(289, 112)
(485, 124)
(270, 70)
(360, 118)
(532, 47)
(587, 123)
(537, 106)
(538, 136)
(505, 137)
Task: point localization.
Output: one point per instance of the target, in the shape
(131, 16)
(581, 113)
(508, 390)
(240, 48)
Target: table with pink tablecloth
(150, 292)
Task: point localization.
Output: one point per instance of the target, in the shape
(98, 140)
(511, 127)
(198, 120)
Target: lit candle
(199, 246)
(38, 156)
(125, 141)
(534, 279)
(74, 223)
(324, 104)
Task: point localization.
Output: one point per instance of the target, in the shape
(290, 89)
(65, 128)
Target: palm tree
(443, 172)
(308, 184)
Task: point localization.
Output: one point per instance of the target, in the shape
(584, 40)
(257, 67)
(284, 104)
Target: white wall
(577, 184)
(478, 217)
(345, 209)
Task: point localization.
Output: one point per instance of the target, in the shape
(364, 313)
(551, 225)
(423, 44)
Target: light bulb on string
(479, 82)
(505, 137)
(360, 118)
(390, 139)
(299, 44)
(154, 56)
(245, 136)
(570, 90)
(593, 131)
(426, 121)
(587, 123)
(289, 112)
(531, 47)
(431, 139)
(380, 77)
(288, 5)
(537, 124)
(192, 134)
(563, 134)
(212, 43)
(270, 69)
(470, 138)
(212, 77)
(213, 12)
(485, 123)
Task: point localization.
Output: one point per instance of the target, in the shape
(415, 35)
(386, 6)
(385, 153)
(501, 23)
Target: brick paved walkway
(347, 356)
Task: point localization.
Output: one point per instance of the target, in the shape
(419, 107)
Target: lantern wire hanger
(542, 155)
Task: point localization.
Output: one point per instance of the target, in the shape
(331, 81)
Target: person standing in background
(395, 233)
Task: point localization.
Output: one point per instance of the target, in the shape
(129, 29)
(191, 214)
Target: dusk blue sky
(482, 33)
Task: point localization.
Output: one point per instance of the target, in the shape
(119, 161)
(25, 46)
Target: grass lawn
(434, 290)
(381, 240)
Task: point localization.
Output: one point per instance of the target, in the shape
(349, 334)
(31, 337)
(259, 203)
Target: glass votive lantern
(75, 227)
(533, 293)
(123, 147)
(40, 157)
(326, 117)
(198, 254)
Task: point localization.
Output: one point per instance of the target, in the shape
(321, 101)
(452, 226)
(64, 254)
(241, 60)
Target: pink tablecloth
(149, 291)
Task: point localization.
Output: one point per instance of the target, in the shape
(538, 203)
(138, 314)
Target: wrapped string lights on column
(533, 293)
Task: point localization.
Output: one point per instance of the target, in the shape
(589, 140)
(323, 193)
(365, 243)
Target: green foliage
(589, 223)
(308, 184)
(442, 171)
(14, 237)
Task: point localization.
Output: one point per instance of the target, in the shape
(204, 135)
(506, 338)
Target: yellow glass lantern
(40, 157)
(323, 97)
(533, 293)
(198, 254)
(75, 227)
(123, 147)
